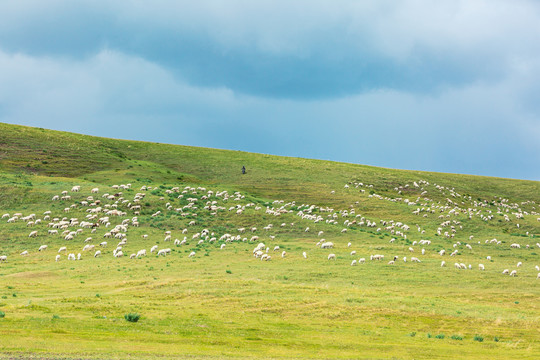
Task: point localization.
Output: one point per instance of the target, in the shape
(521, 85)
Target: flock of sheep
(110, 216)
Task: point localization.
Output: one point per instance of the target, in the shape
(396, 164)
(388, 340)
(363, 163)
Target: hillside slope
(209, 294)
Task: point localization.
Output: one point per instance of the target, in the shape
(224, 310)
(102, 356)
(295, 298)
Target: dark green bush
(132, 317)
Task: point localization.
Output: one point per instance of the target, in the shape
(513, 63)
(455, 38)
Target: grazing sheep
(153, 248)
(481, 266)
(71, 257)
(442, 252)
(327, 245)
(132, 256)
(443, 263)
(391, 262)
(415, 259)
(33, 234)
(118, 254)
(276, 248)
(266, 257)
(515, 246)
(141, 253)
(488, 258)
(304, 254)
(519, 264)
(506, 271)
(42, 247)
(331, 256)
(191, 254)
(513, 273)
(353, 263)
(538, 276)
(24, 253)
(63, 248)
(353, 252)
(283, 254)
(361, 260)
(97, 253)
(79, 256)
(57, 258)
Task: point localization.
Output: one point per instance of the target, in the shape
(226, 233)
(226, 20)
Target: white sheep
(304, 254)
(506, 271)
(283, 254)
(42, 247)
(71, 257)
(63, 248)
(97, 253)
(513, 273)
(33, 234)
(331, 256)
(443, 263)
(519, 264)
(191, 254)
(353, 263)
(141, 253)
(353, 252)
(153, 249)
(327, 245)
(57, 258)
(24, 253)
(481, 266)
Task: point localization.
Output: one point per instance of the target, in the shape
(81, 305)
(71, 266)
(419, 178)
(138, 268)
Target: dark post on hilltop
(243, 169)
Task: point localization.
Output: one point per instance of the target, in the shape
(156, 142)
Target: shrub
(2, 314)
(56, 316)
(429, 336)
(228, 271)
(456, 337)
(496, 339)
(440, 336)
(132, 317)
(413, 334)
(478, 338)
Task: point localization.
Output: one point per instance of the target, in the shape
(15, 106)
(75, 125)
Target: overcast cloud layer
(450, 86)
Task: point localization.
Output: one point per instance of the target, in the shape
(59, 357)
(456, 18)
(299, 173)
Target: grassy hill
(226, 303)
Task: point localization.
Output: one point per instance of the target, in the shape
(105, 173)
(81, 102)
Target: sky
(448, 86)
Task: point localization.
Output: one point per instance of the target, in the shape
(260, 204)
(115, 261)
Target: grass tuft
(132, 317)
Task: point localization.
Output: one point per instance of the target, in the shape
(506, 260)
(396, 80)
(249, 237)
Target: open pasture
(211, 295)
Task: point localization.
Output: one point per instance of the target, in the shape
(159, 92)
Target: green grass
(224, 303)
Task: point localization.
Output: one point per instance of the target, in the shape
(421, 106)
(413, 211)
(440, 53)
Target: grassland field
(227, 303)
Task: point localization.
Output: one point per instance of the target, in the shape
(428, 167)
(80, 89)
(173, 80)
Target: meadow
(224, 302)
